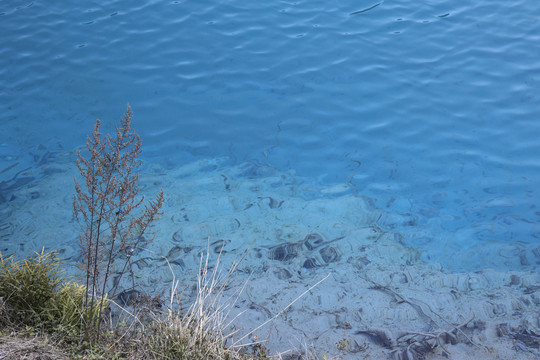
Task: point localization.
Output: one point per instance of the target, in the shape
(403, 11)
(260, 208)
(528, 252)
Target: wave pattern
(431, 109)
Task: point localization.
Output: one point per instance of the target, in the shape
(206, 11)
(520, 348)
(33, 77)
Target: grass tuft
(39, 307)
(199, 333)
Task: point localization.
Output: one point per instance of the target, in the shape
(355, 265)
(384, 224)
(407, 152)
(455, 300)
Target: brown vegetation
(17, 348)
(106, 204)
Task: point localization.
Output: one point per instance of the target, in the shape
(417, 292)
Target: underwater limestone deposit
(379, 297)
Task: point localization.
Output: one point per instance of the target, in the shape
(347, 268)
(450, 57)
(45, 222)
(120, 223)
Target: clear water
(429, 108)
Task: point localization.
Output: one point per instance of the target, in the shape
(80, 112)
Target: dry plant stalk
(204, 328)
(107, 205)
(210, 308)
(199, 331)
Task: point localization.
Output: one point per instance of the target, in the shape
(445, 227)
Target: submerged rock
(283, 252)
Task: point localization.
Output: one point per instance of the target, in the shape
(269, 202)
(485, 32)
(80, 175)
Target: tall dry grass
(207, 328)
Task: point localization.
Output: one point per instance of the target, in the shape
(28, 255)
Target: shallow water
(430, 109)
(390, 147)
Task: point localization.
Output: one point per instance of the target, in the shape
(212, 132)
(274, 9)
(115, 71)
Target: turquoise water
(429, 109)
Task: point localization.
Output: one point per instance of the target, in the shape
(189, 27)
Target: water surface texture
(430, 108)
(390, 147)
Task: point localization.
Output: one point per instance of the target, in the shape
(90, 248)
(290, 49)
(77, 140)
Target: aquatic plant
(107, 205)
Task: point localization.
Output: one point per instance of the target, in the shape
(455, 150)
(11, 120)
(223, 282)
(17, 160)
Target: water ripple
(431, 98)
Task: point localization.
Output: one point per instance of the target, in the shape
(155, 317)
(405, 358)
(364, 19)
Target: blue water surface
(430, 108)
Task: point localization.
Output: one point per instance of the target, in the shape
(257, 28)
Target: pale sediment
(382, 295)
